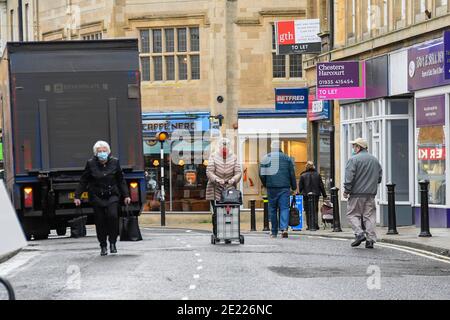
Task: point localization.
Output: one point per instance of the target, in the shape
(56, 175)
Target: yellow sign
(83, 196)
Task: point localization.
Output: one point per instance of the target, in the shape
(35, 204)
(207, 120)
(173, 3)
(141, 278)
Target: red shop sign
(433, 154)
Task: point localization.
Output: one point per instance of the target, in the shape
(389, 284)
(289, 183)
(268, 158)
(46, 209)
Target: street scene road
(181, 264)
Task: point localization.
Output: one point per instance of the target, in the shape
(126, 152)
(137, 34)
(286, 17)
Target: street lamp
(162, 136)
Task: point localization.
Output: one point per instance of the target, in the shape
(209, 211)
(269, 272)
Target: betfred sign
(299, 36)
(292, 99)
(432, 154)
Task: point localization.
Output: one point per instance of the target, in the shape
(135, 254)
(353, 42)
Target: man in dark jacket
(103, 178)
(363, 174)
(277, 175)
(311, 181)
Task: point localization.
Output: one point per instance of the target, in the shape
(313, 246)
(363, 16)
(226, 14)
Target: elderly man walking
(363, 173)
(277, 174)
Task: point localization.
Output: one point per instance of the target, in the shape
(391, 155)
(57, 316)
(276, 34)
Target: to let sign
(299, 36)
(341, 80)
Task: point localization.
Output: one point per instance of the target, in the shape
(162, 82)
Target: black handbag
(78, 225)
(129, 227)
(231, 196)
(294, 214)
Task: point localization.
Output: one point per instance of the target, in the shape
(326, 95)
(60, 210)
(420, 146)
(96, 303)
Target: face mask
(224, 152)
(102, 156)
(354, 153)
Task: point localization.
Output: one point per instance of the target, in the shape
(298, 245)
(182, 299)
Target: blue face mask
(102, 156)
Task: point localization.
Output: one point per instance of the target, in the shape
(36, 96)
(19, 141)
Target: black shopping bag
(78, 225)
(129, 227)
(294, 214)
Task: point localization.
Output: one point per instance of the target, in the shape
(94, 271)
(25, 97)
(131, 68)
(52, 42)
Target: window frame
(287, 60)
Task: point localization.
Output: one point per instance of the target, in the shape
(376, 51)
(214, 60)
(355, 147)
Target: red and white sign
(299, 36)
(432, 154)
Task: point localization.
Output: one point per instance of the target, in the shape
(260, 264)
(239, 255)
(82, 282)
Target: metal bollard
(424, 210)
(252, 215)
(312, 211)
(266, 214)
(392, 220)
(9, 289)
(336, 214)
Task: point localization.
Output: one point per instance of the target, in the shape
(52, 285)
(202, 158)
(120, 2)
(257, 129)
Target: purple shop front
(439, 217)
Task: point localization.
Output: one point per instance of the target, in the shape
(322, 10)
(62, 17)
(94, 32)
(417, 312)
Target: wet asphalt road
(182, 264)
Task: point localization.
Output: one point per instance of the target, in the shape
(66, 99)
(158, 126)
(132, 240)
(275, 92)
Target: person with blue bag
(277, 174)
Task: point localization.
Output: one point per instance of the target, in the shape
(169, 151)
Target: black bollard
(392, 220)
(424, 213)
(312, 211)
(266, 214)
(336, 214)
(252, 215)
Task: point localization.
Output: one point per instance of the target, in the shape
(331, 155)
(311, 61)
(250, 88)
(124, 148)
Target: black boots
(369, 244)
(359, 239)
(113, 248)
(103, 251)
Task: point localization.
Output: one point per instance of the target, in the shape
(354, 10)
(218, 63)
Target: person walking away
(277, 175)
(103, 178)
(223, 171)
(363, 174)
(311, 181)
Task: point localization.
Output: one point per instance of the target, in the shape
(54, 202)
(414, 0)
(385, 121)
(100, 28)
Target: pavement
(439, 243)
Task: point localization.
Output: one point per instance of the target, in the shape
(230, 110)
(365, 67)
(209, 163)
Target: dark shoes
(284, 235)
(359, 239)
(369, 244)
(113, 248)
(103, 251)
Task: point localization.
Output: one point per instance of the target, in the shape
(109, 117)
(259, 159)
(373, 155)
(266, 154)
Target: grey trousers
(364, 207)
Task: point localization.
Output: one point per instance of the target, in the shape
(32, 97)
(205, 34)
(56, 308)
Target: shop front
(186, 156)
(431, 99)
(257, 129)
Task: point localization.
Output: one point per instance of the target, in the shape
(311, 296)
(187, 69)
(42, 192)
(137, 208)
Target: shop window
(285, 66)
(174, 53)
(397, 107)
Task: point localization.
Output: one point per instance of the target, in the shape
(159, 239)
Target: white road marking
(16, 262)
(417, 252)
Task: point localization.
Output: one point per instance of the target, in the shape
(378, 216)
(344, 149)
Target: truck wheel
(61, 231)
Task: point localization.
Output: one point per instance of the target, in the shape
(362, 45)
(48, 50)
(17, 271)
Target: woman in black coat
(103, 178)
(311, 181)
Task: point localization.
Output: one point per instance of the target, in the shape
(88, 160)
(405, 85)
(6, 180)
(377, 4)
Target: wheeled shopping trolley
(228, 224)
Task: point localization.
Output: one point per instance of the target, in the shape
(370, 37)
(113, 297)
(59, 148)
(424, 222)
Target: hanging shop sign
(292, 99)
(341, 80)
(318, 109)
(426, 66)
(447, 54)
(430, 111)
(298, 36)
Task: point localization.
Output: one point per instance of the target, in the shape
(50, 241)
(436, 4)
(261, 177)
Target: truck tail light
(28, 197)
(134, 191)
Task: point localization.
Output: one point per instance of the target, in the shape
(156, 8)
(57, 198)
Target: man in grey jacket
(277, 174)
(363, 173)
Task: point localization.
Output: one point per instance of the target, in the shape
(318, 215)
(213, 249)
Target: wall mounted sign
(291, 99)
(298, 36)
(341, 80)
(432, 154)
(318, 109)
(430, 111)
(447, 55)
(426, 66)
